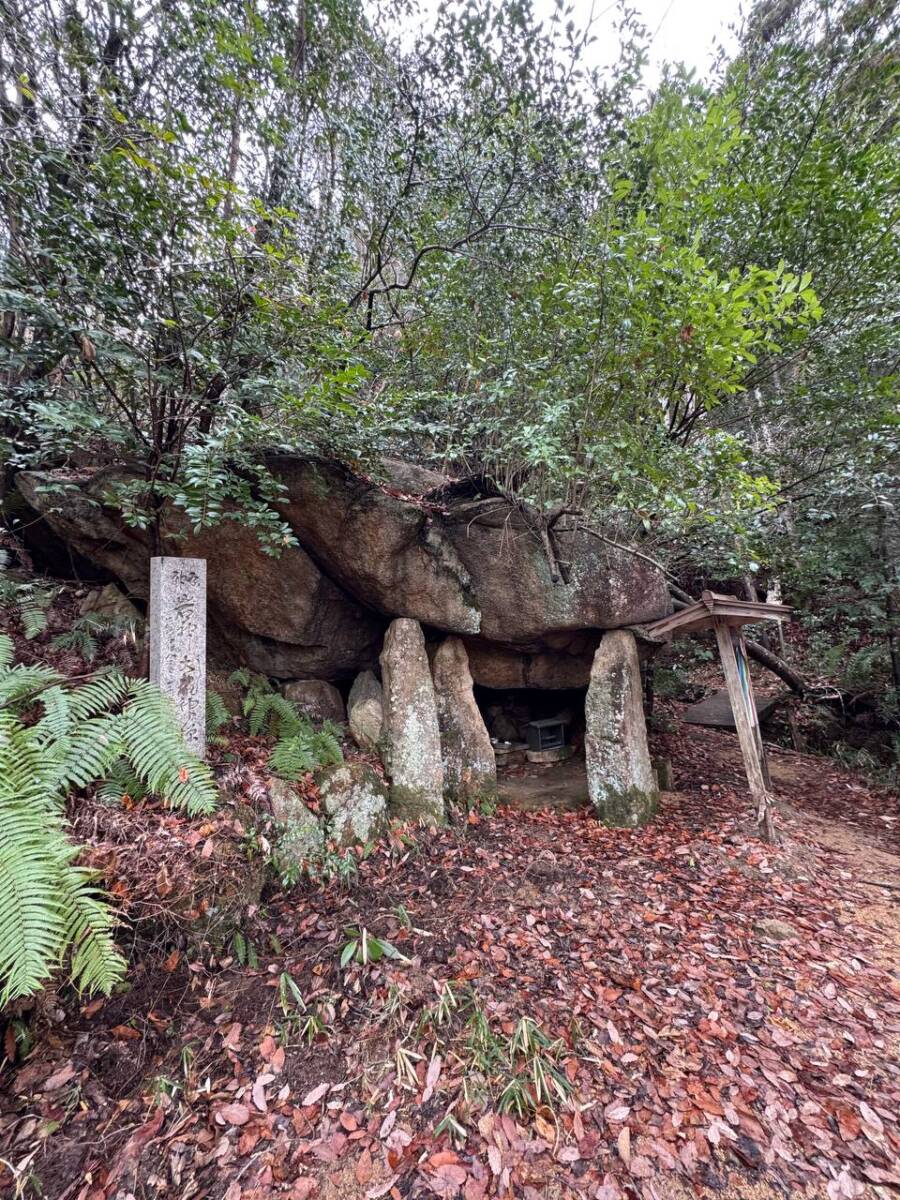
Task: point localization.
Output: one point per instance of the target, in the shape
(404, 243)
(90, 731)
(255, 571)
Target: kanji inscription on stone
(178, 641)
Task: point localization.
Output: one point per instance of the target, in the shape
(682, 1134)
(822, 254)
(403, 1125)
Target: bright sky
(681, 30)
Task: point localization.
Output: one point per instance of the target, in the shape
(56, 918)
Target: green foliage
(77, 638)
(56, 738)
(29, 600)
(364, 948)
(298, 753)
(217, 715)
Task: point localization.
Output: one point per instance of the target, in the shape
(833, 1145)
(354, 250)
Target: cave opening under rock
(538, 740)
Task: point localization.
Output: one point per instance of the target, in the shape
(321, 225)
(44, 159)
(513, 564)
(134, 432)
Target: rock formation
(318, 700)
(355, 800)
(470, 771)
(621, 783)
(365, 711)
(411, 733)
(415, 546)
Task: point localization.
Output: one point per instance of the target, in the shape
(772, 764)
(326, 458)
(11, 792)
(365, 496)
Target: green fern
(30, 600)
(270, 713)
(118, 731)
(305, 750)
(217, 715)
(77, 639)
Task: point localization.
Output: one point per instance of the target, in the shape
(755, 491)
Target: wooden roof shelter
(703, 613)
(726, 615)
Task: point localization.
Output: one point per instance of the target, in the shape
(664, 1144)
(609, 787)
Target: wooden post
(733, 654)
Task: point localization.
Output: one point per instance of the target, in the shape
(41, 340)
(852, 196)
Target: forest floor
(712, 1016)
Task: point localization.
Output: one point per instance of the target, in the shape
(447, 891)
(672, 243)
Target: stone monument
(178, 641)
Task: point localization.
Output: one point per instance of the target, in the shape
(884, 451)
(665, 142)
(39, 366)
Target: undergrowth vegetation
(59, 736)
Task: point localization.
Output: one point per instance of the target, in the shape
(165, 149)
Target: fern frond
(121, 781)
(76, 639)
(305, 749)
(34, 858)
(96, 966)
(6, 650)
(24, 683)
(271, 713)
(154, 744)
(240, 678)
(217, 715)
(89, 751)
(104, 692)
(291, 759)
(57, 713)
(34, 619)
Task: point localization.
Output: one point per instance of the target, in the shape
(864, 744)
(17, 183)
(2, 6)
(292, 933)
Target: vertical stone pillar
(412, 735)
(621, 782)
(470, 770)
(178, 641)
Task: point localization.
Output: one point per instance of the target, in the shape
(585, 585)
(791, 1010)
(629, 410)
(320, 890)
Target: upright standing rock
(621, 783)
(413, 740)
(365, 711)
(178, 641)
(469, 767)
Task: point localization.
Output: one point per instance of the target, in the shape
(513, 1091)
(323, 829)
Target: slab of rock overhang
(415, 546)
(458, 565)
(412, 737)
(470, 771)
(566, 665)
(281, 617)
(621, 783)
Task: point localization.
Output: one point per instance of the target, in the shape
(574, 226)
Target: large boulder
(280, 616)
(365, 711)
(621, 783)
(317, 699)
(411, 732)
(470, 770)
(412, 545)
(355, 801)
(461, 565)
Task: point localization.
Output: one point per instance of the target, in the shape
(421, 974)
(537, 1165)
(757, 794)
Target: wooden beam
(733, 654)
(702, 613)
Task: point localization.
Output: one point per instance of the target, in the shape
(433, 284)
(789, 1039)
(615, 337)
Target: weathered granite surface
(411, 733)
(470, 770)
(621, 782)
(178, 641)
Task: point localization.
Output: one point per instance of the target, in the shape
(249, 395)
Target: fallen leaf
(316, 1094)
(234, 1114)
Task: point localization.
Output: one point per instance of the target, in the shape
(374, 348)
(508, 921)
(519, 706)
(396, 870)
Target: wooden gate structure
(727, 615)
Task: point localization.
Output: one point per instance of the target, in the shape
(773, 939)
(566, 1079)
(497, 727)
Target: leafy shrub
(113, 729)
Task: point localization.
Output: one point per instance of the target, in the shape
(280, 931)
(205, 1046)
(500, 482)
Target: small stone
(412, 734)
(365, 711)
(316, 699)
(665, 777)
(355, 800)
(301, 836)
(779, 930)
